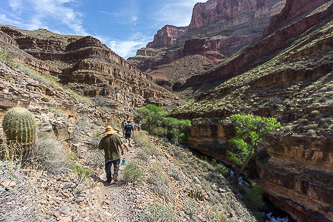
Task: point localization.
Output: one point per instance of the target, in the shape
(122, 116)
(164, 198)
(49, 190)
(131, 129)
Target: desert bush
(176, 174)
(215, 178)
(49, 154)
(131, 172)
(43, 78)
(57, 112)
(191, 208)
(82, 123)
(156, 212)
(97, 157)
(80, 98)
(159, 183)
(143, 155)
(95, 139)
(143, 141)
(82, 171)
(7, 58)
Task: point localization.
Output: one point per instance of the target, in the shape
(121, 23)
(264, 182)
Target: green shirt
(110, 144)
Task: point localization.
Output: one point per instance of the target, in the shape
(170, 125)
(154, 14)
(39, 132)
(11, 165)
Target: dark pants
(127, 135)
(108, 165)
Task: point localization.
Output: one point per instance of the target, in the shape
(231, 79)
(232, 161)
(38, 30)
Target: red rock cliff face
(167, 36)
(219, 11)
(224, 27)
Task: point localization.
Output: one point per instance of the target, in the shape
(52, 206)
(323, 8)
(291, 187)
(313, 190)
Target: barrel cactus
(20, 128)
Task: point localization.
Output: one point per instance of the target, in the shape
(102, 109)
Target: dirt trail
(115, 198)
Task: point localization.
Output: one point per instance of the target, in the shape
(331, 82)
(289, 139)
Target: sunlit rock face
(218, 29)
(86, 65)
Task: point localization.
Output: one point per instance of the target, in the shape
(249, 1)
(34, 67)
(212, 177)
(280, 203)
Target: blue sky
(123, 25)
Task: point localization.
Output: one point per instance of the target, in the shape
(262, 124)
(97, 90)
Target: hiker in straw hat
(111, 144)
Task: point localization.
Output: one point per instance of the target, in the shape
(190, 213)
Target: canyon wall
(221, 26)
(86, 65)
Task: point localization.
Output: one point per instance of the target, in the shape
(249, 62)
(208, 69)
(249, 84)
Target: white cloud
(129, 47)
(42, 10)
(5, 20)
(177, 13)
(15, 4)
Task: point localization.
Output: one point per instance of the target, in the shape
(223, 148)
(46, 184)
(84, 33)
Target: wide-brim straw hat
(109, 130)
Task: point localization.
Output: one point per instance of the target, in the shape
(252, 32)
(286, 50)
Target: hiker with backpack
(127, 131)
(112, 146)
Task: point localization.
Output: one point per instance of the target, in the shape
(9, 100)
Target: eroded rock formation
(80, 61)
(218, 29)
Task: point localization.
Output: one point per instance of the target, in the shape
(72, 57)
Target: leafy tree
(151, 117)
(250, 130)
(175, 128)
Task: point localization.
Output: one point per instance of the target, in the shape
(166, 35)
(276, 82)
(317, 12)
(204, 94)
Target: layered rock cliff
(217, 30)
(85, 65)
(287, 74)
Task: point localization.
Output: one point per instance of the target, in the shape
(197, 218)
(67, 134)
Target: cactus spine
(20, 126)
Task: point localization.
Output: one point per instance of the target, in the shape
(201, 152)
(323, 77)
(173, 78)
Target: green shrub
(7, 58)
(57, 112)
(156, 212)
(191, 207)
(181, 138)
(253, 196)
(82, 171)
(222, 170)
(131, 172)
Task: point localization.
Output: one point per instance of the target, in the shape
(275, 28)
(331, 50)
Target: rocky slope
(85, 65)
(218, 29)
(287, 75)
(64, 194)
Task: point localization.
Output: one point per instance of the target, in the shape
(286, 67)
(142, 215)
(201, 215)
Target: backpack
(128, 128)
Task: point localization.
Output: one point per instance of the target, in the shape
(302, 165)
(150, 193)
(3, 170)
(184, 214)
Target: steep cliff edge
(288, 74)
(217, 30)
(85, 65)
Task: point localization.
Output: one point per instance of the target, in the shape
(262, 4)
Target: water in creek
(272, 213)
